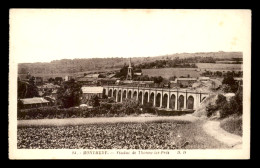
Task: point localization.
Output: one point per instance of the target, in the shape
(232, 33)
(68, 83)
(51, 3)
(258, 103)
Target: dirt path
(213, 128)
(100, 120)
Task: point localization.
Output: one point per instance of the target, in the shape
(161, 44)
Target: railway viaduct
(165, 98)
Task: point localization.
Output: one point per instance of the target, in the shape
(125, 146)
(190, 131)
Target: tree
(234, 106)
(221, 101)
(50, 80)
(69, 94)
(58, 80)
(172, 78)
(130, 106)
(94, 101)
(229, 80)
(123, 72)
(31, 89)
(158, 79)
(22, 89)
(148, 108)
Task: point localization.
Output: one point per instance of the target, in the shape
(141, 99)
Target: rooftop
(92, 89)
(34, 100)
(186, 79)
(85, 79)
(92, 76)
(111, 75)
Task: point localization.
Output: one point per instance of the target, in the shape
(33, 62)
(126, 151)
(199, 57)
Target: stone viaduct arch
(171, 99)
(129, 95)
(152, 98)
(158, 100)
(110, 93)
(145, 98)
(165, 100)
(119, 96)
(124, 95)
(190, 102)
(181, 102)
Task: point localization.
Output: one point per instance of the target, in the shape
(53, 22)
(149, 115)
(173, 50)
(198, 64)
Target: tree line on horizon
(88, 64)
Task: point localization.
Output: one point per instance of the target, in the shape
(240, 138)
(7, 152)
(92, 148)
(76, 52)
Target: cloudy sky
(47, 34)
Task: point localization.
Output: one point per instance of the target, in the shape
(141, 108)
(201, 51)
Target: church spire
(130, 63)
(130, 71)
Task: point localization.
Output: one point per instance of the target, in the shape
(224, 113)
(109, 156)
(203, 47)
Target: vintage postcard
(129, 84)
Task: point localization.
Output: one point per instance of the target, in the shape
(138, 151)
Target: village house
(185, 82)
(89, 92)
(48, 87)
(54, 94)
(67, 78)
(87, 81)
(108, 81)
(33, 102)
(138, 73)
(143, 83)
(93, 76)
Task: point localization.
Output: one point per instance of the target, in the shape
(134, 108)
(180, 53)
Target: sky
(43, 35)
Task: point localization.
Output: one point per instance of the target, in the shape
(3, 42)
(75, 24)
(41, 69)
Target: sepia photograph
(129, 83)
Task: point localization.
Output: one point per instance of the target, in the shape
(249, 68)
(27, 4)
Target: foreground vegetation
(108, 136)
(150, 135)
(233, 124)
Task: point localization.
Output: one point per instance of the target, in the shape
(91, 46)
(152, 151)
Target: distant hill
(99, 64)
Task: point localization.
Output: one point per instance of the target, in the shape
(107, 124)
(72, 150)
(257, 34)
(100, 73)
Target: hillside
(90, 64)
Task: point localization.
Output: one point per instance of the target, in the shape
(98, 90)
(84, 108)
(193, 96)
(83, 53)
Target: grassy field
(220, 67)
(164, 72)
(169, 72)
(148, 135)
(47, 76)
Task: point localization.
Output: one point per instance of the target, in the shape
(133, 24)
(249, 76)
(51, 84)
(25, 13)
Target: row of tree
(222, 74)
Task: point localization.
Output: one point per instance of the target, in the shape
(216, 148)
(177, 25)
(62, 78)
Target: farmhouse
(88, 92)
(183, 82)
(34, 102)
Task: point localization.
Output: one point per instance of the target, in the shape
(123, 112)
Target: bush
(233, 124)
(148, 108)
(226, 111)
(211, 109)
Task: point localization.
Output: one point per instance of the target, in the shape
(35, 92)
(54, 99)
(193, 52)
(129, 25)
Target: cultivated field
(149, 135)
